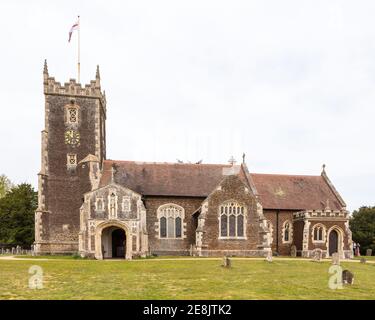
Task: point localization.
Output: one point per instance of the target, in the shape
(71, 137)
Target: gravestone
(347, 277)
(293, 251)
(2, 250)
(7, 251)
(13, 250)
(269, 256)
(363, 260)
(18, 250)
(336, 259)
(369, 252)
(227, 263)
(317, 255)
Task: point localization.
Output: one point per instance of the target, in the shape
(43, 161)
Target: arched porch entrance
(112, 241)
(335, 241)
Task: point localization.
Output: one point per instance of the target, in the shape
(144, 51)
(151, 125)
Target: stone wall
(232, 188)
(171, 246)
(278, 244)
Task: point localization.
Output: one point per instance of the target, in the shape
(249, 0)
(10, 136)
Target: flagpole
(79, 50)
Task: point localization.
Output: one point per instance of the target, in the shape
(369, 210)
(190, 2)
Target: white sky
(290, 83)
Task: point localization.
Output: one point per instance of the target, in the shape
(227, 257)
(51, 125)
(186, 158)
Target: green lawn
(182, 279)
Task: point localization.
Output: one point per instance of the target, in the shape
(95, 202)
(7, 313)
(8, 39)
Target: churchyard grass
(182, 279)
(369, 258)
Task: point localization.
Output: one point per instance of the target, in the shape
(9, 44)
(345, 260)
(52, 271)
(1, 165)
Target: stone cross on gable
(232, 161)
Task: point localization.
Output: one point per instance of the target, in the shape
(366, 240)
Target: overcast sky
(290, 83)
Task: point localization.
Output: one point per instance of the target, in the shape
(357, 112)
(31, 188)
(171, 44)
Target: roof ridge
(285, 175)
(155, 162)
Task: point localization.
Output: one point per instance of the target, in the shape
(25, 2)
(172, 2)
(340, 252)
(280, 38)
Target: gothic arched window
(318, 233)
(171, 217)
(287, 232)
(163, 227)
(232, 220)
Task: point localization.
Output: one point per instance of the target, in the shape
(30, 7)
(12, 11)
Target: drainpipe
(277, 231)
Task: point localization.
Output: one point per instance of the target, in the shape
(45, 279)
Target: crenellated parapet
(343, 213)
(74, 89)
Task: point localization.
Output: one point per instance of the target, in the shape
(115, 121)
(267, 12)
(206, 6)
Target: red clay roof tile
(284, 192)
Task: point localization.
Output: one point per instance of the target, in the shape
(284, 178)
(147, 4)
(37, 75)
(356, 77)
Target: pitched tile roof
(283, 192)
(295, 192)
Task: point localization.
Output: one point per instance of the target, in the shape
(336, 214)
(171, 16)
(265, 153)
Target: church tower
(73, 150)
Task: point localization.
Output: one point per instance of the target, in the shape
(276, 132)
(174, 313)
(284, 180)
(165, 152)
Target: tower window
(73, 115)
(71, 160)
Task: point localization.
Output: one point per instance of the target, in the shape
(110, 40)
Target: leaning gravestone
(347, 277)
(369, 252)
(227, 263)
(317, 255)
(293, 251)
(336, 259)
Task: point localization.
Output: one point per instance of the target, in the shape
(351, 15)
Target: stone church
(102, 208)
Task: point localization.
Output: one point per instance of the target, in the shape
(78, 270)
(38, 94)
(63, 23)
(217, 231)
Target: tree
(5, 185)
(17, 209)
(362, 224)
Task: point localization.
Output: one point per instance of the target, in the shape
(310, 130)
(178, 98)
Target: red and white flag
(74, 27)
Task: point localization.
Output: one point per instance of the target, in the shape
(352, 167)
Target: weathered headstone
(293, 251)
(18, 250)
(227, 263)
(347, 277)
(336, 259)
(363, 260)
(369, 252)
(317, 255)
(13, 250)
(7, 251)
(269, 256)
